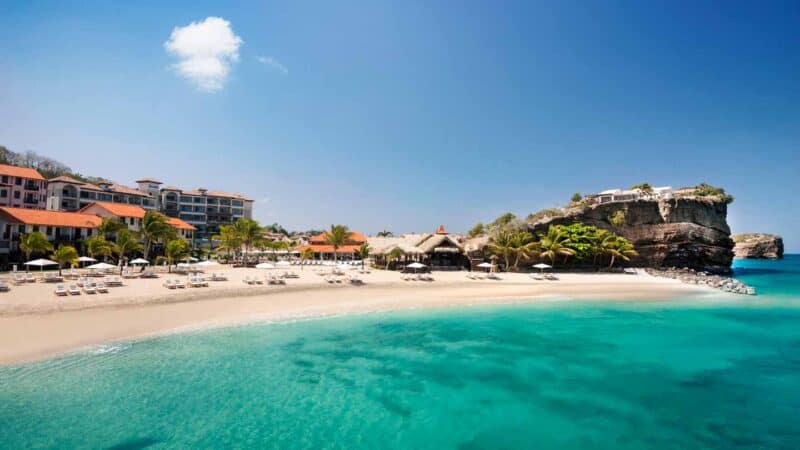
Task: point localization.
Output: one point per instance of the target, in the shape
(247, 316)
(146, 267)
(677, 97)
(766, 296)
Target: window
(237, 203)
(5, 179)
(35, 228)
(3, 193)
(16, 194)
(49, 230)
(18, 181)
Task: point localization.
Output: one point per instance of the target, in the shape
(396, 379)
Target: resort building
(68, 194)
(439, 250)
(59, 227)
(205, 210)
(132, 216)
(629, 195)
(22, 187)
(322, 250)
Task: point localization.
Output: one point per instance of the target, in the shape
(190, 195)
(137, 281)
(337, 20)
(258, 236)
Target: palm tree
(35, 242)
(618, 247)
(65, 254)
(553, 244)
(127, 243)
(503, 244)
(110, 226)
(175, 250)
(385, 233)
(394, 254)
(306, 254)
(363, 253)
(98, 246)
(337, 237)
(249, 233)
(524, 246)
(155, 228)
(229, 240)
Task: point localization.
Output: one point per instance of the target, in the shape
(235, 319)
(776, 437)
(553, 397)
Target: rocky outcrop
(677, 232)
(758, 246)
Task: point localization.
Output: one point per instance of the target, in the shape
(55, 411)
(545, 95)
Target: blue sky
(410, 114)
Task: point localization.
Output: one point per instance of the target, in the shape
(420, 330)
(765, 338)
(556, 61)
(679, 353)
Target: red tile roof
(148, 180)
(180, 224)
(355, 238)
(65, 179)
(119, 209)
(22, 172)
(50, 218)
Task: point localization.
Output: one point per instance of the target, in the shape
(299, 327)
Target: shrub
(618, 218)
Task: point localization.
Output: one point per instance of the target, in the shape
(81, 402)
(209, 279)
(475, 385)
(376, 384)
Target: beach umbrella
(139, 261)
(345, 267)
(207, 263)
(265, 266)
(542, 266)
(102, 266)
(40, 263)
(416, 265)
(282, 263)
(486, 265)
(86, 259)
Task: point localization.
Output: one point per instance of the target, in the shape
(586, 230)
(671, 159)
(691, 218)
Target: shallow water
(682, 374)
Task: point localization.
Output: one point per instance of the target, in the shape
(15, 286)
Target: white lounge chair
(30, 278)
(4, 287)
(18, 278)
(73, 289)
(101, 287)
(60, 290)
(168, 284)
(89, 288)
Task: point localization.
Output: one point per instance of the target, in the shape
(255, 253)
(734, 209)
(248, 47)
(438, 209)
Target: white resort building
(627, 195)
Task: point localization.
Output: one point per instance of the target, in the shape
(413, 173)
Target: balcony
(31, 201)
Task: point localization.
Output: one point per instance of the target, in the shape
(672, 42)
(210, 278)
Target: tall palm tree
(395, 254)
(553, 244)
(523, 246)
(618, 247)
(110, 226)
(337, 237)
(127, 243)
(35, 242)
(306, 254)
(229, 240)
(155, 228)
(249, 232)
(98, 246)
(65, 254)
(502, 243)
(363, 253)
(175, 250)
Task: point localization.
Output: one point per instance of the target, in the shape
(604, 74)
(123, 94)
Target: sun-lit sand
(35, 324)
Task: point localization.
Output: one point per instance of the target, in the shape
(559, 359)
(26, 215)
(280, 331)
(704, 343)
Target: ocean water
(689, 373)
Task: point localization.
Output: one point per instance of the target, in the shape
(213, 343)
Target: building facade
(132, 216)
(22, 187)
(68, 194)
(59, 227)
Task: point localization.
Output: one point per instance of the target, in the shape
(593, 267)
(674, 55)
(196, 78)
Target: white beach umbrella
(265, 266)
(192, 259)
(345, 267)
(40, 263)
(282, 263)
(86, 259)
(139, 261)
(207, 263)
(102, 266)
(485, 265)
(542, 266)
(416, 265)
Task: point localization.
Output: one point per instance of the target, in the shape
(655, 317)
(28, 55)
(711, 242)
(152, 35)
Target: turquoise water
(694, 373)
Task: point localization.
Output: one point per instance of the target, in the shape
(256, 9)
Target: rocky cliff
(679, 232)
(758, 246)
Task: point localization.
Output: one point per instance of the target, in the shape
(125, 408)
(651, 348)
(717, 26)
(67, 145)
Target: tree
(35, 242)
(363, 253)
(476, 230)
(306, 254)
(127, 243)
(618, 218)
(249, 233)
(98, 246)
(229, 240)
(502, 244)
(523, 246)
(553, 244)
(155, 228)
(385, 233)
(576, 197)
(175, 250)
(337, 237)
(502, 221)
(394, 254)
(618, 248)
(110, 226)
(644, 187)
(65, 254)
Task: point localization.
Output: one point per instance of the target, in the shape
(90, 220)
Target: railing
(31, 187)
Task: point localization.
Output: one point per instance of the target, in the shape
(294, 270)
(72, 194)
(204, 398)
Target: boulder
(758, 246)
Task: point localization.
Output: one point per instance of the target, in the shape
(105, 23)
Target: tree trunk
(612, 261)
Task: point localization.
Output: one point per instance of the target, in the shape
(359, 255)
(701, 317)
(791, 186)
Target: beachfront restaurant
(439, 250)
(324, 251)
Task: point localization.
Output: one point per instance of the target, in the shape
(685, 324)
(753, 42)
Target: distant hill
(48, 167)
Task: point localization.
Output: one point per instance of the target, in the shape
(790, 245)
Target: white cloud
(272, 62)
(205, 50)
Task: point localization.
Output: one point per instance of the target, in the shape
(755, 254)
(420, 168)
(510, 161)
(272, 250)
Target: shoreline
(46, 329)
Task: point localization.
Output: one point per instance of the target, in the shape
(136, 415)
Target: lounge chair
(4, 287)
(493, 276)
(89, 288)
(330, 279)
(551, 277)
(101, 287)
(148, 274)
(73, 289)
(114, 281)
(29, 278)
(19, 278)
(247, 280)
(60, 290)
(168, 284)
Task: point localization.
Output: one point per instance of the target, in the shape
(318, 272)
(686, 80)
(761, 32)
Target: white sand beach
(36, 324)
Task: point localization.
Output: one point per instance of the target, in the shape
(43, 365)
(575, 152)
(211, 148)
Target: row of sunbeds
(483, 276)
(191, 281)
(86, 288)
(269, 279)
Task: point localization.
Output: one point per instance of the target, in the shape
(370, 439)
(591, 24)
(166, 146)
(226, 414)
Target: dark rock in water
(676, 232)
(758, 246)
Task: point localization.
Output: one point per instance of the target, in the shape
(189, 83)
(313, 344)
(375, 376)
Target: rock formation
(758, 246)
(690, 232)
